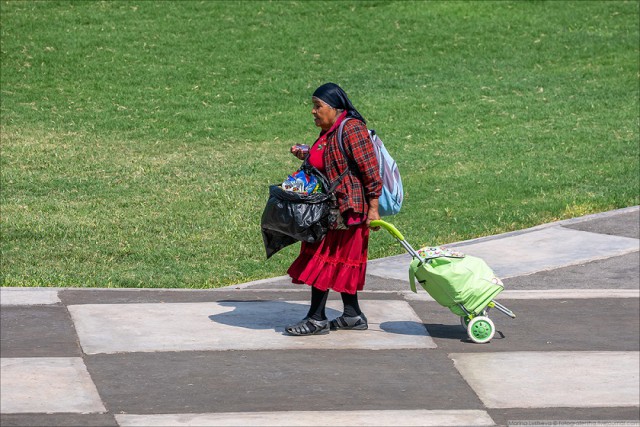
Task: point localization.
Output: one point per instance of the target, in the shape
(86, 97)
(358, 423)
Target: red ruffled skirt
(337, 262)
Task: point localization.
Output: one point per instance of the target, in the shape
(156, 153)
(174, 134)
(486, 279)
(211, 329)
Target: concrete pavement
(220, 357)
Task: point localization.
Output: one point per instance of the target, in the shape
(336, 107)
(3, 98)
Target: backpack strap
(340, 143)
(341, 146)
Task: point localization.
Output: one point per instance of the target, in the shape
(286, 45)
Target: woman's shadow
(263, 315)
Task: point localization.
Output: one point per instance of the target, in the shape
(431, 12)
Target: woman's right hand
(300, 151)
(373, 213)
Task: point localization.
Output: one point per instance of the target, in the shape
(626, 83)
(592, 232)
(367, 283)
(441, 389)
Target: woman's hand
(373, 214)
(300, 150)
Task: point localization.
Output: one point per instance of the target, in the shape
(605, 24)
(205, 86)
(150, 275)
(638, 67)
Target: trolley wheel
(464, 321)
(481, 329)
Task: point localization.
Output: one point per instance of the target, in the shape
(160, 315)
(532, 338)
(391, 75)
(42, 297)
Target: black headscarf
(333, 95)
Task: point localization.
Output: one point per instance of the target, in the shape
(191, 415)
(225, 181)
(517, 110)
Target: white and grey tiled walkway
(220, 357)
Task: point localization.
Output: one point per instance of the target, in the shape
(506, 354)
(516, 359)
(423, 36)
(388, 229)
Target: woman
(339, 261)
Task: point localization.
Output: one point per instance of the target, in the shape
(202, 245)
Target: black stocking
(351, 307)
(318, 304)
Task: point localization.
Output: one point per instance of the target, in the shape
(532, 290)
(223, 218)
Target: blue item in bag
(301, 182)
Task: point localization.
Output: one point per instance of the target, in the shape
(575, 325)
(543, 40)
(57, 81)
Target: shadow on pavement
(260, 315)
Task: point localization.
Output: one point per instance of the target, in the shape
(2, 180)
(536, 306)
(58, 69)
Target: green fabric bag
(451, 281)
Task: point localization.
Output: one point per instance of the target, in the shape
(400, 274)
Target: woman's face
(325, 115)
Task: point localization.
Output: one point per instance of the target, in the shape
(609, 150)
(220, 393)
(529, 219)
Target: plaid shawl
(362, 184)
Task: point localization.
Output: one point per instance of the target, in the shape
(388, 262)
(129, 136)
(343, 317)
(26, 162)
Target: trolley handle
(387, 226)
(395, 233)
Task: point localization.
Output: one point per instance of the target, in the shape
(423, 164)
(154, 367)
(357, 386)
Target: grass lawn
(138, 138)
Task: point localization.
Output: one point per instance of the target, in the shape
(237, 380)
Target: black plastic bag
(292, 217)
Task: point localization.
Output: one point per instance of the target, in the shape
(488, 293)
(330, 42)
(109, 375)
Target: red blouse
(358, 186)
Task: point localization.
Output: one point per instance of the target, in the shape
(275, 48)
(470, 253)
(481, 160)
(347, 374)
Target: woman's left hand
(373, 214)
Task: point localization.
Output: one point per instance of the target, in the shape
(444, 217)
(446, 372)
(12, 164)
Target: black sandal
(358, 323)
(308, 326)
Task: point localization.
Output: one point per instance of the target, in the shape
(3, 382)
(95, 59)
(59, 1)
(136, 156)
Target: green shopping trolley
(464, 284)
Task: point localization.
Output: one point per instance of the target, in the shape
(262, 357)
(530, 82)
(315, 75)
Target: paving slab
(552, 379)
(314, 418)
(237, 325)
(543, 325)
(71, 297)
(37, 331)
(47, 384)
(557, 417)
(549, 294)
(538, 294)
(58, 420)
(266, 381)
(621, 272)
(622, 223)
(28, 296)
(525, 253)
